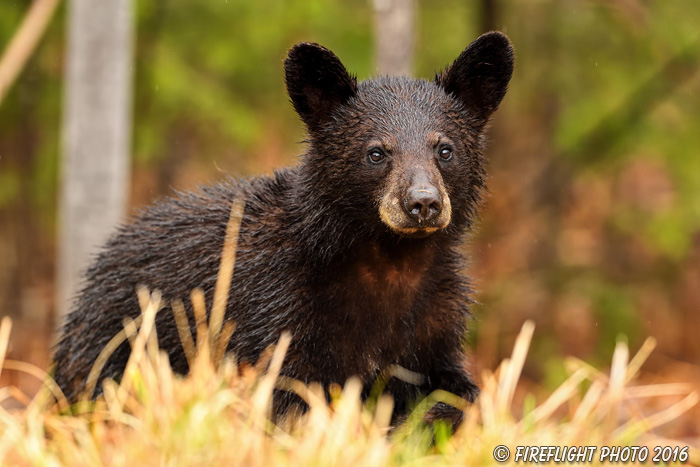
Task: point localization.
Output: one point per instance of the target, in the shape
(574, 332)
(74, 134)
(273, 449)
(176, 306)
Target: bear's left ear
(317, 82)
(480, 75)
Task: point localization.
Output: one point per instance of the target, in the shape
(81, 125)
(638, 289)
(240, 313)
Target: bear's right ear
(317, 82)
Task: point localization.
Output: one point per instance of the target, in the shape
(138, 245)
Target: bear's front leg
(456, 380)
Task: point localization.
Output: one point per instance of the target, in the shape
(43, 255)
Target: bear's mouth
(416, 232)
(394, 216)
(404, 226)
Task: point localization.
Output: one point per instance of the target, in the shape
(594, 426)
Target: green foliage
(607, 93)
(9, 186)
(30, 119)
(218, 68)
(639, 72)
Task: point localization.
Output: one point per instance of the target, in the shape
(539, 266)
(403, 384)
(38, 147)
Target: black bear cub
(355, 251)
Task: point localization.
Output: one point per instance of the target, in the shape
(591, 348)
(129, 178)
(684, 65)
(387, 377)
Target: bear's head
(395, 154)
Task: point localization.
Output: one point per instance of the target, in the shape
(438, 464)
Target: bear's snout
(415, 202)
(422, 203)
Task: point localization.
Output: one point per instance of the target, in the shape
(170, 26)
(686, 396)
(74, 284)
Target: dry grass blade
(222, 342)
(199, 308)
(5, 328)
(640, 357)
(511, 373)
(561, 395)
(660, 418)
(588, 404)
(658, 390)
(223, 280)
(616, 385)
(112, 345)
(486, 401)
(41, 375)
(263, 394)
(19, 395)
(305, 392)
(183, 330)
(150, 304)
(24, 42)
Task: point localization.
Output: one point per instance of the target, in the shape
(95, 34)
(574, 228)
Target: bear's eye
(445, 153)
(375, 156)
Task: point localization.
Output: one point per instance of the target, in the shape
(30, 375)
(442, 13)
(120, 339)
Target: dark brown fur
(357, 291)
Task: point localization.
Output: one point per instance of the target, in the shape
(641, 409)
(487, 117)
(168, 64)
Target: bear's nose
(422, 204)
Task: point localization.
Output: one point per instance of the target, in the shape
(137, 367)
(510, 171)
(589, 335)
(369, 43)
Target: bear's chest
(380, 283)
(370, 307)
(387, 282)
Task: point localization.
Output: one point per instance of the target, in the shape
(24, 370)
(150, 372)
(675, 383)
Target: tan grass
(219, 413)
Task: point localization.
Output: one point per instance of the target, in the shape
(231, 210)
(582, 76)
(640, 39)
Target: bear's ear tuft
(317, 82)
(480, 75)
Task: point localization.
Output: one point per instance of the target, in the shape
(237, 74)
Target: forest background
(591, 227)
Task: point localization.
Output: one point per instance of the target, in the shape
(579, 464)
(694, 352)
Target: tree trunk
(394, 24)
(489, 15)
(96, 135)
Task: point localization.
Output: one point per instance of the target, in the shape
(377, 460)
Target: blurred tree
(394, 35)
(489, 15)
(96, 134)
